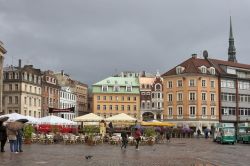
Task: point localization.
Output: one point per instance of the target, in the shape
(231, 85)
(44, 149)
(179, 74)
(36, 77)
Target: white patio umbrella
(14, 116)
(88, 118)
(122, 117)
(32, 120)
(55, 120)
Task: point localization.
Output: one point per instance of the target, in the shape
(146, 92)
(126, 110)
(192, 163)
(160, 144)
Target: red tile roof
(191, 65)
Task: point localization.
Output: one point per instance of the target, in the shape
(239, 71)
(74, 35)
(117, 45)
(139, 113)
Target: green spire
(231, 48)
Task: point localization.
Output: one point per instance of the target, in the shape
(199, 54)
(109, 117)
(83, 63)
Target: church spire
(231, 48)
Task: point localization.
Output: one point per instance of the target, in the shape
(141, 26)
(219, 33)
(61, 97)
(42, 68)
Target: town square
(135, 82)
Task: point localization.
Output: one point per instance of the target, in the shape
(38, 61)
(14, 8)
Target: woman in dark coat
(3, 136)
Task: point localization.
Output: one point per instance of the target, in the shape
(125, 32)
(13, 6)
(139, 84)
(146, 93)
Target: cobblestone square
(193, 152)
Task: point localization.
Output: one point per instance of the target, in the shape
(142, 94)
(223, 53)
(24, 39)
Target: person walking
(111, 129)
(168, 135)
(124, 139)
(12, 136)
(19, 140)
(198, 133)
(3, 136)
(137, 136)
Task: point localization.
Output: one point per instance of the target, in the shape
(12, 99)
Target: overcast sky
(94, 39)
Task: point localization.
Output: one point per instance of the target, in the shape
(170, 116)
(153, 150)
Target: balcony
(179, 102)
(170, 117)
(192, 102)
(204, 102)
(192, 116)
(179, 116)
(204, 117)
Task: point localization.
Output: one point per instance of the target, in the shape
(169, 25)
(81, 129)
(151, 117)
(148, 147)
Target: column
(2, 52)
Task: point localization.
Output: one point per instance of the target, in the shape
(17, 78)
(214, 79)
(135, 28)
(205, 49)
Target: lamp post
(2, 52)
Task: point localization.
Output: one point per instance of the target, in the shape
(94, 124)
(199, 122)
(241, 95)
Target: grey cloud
(93, 39)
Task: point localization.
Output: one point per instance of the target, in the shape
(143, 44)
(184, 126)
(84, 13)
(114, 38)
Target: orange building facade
(191, 94)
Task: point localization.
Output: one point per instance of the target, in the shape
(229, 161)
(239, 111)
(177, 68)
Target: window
(192, 82)
(212, 111)
(16, 86)
(204, 111)
(104, 97)
(134, 98)
(179, 97)
(122, 98)
(180, 110)
(134, 107)
(116, 107)
(129, 88)
(104, 88)
(170, 84)
(128, 98)
(178, 70)
(203, 83)
(16, 99)
(212, 84)
(227, 84)
(203, 69)
(122, 107)
(98, 97)
(192, 96)
(212, 70)
(25, 100)
(212, 97)
(229, 97)
(179, 83)
(10, 87)
(30, 88)
(170, 97)
(10, 99)
(98, 107)
(192, 110)
(228, 110)
(204, 96)
(116, 88)
(170, 111)
(104, 107)
(128, 107)
(110, 107)
(110, 98)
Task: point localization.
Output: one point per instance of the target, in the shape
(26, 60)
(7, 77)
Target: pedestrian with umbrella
(20, 135)
(12, 128)
(3, 133)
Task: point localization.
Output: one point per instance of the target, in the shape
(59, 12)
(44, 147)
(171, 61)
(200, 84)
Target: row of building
(30, 91)
(198, 92)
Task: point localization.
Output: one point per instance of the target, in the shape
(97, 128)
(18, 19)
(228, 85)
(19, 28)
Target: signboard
(58, 110)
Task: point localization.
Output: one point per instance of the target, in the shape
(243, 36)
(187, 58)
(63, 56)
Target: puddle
(41, 162)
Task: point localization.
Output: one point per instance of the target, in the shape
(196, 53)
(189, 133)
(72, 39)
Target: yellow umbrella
(167, 124)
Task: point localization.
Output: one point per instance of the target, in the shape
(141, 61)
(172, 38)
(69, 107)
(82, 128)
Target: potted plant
(150, 134)
(90, 131)
(27, 132)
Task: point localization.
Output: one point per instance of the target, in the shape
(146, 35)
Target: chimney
(205, 54)
(19, 63)
(194, 56)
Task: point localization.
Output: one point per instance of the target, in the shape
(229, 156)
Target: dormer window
(116, 88)
(212, 70)
(108, 81)
(104, 88)
(129, 88)
(179, 70)
(203, 69)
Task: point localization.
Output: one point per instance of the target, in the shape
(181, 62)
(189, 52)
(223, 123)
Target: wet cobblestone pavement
(179, 152)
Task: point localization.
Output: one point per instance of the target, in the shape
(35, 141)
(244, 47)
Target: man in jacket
(3, 136)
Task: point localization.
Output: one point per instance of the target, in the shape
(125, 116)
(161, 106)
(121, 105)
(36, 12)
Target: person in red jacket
(137, 136)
